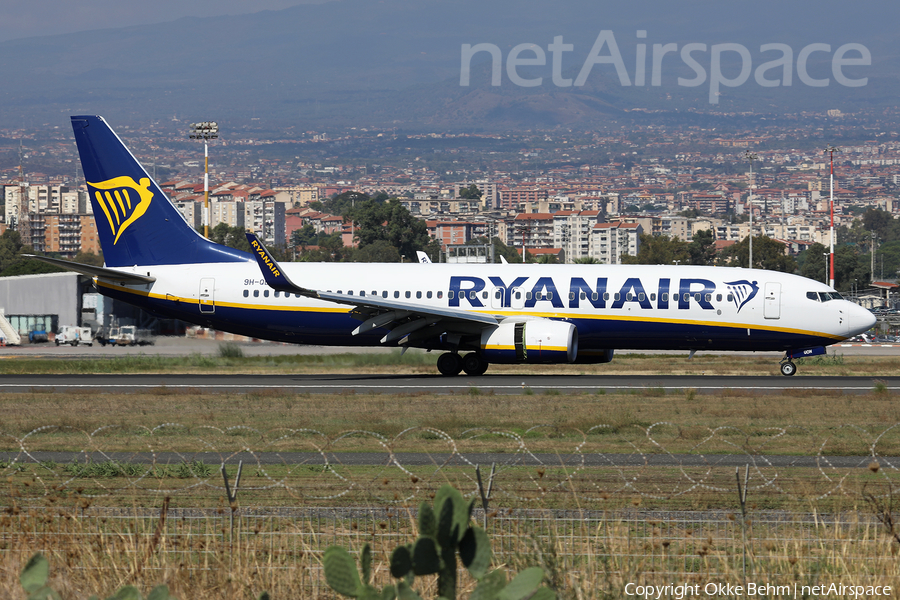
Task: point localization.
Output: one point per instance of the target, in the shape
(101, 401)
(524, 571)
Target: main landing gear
(450, 364)
(788, 368)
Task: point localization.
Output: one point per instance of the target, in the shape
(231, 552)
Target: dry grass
(585, 556)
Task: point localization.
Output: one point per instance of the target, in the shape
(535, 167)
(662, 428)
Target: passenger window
(408, 295)
(730, 297)
(419, 295)
(665, 297)
(718, 297)
(708, 297)
(362, 293)
(583, 296)
(246, 293)
(277, 294)
(484, 295)
(629, 297)
(653, 297)
(440, 294)
(572, 296)
(687, 297)
(256, 293)
(618, 296)
(641, 297)
(549, 296)
(449, 295)
(349, 292)
(396, 294)
(528, 295)
(606, 296)
(518, 295)
(594, 296)
(473, 295)
(266, 293)
(384, 294)
(428, 295)
(498, 294)
(374, 293)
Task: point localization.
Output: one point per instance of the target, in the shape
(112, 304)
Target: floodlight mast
(207, 130)
(831, 150)
(751, 157)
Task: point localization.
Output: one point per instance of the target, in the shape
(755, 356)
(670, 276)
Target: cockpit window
(824, 296)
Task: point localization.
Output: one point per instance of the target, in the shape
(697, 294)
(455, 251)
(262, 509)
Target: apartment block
(68, 234)
(265, 218)
(572, 232)
(230, 213)
(192, 212)
(611, 241)
(512, 198)
(533, 230)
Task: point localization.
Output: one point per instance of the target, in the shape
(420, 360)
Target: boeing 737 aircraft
(474, 314)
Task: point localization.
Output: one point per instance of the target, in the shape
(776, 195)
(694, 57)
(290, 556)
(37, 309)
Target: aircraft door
(772, 301)
(497, 297)
(517, 298)
(207, 295)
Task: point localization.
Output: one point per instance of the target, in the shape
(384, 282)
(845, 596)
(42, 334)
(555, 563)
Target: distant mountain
(403, 63)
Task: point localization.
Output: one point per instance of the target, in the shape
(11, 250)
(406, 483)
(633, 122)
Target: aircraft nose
(860, 319)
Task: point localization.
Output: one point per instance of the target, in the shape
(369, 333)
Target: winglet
(272, 271)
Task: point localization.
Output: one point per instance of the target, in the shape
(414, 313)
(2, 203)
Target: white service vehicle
(74, 335)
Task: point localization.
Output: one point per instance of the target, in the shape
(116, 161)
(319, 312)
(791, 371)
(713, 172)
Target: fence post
(232, 496)
(485, 496)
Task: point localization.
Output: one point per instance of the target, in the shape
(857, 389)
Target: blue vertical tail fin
(136, 222)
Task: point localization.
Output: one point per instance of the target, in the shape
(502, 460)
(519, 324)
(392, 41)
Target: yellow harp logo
(123, 201)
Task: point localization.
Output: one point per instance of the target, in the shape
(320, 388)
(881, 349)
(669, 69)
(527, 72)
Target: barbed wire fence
(665, 500)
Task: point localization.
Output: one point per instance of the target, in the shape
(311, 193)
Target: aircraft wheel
(474, 365)
(449, 364)
(788, 368)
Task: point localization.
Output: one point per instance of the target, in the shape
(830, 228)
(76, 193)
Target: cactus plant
(34, 581)
(444, 533)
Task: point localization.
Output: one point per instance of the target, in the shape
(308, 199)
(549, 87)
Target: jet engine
(535, 341)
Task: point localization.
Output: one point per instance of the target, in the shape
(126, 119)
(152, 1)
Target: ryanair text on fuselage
(665, 294)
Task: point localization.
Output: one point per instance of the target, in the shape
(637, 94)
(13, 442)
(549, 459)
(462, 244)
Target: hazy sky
(29, 18)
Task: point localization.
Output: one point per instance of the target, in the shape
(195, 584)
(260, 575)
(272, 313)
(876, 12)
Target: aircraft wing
(401, 318)
(91, 271)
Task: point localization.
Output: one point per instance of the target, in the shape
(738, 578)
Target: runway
(436, 384)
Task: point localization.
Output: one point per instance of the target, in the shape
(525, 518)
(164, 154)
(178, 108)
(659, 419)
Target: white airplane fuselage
(612, 307)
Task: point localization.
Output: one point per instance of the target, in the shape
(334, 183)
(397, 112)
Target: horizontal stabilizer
(91, 271)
